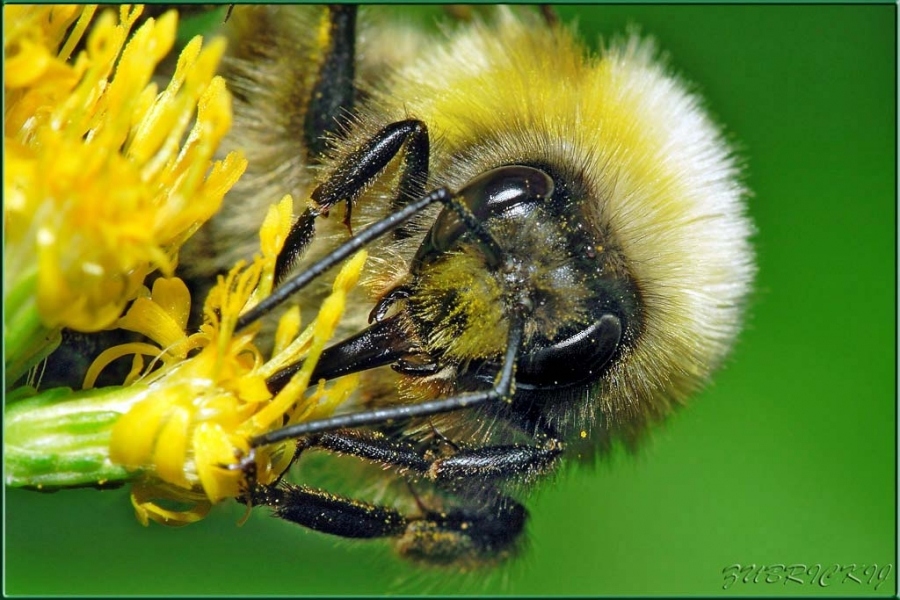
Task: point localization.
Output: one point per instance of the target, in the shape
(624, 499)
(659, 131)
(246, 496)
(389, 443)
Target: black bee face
(536, 254)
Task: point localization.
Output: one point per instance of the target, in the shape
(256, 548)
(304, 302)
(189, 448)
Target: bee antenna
(501, 390)
(341, 253)
(489, 246)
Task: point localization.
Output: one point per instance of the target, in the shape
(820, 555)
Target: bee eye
(575, 359)
(512, 191)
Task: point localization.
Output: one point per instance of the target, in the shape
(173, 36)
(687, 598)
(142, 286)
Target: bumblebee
(561, 252)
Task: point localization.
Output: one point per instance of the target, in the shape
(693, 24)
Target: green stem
(60, 438)
(27, 339)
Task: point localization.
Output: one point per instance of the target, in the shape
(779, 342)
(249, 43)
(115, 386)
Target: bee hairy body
(630, 233)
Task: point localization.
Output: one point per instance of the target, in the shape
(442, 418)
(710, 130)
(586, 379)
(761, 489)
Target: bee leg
(463, 534)
(486, 463)
(360, 167)
(328, 513)
(520, 462)
(352, 176)
(332, 94)
(298, 238)
(501, 391)
(467, 536)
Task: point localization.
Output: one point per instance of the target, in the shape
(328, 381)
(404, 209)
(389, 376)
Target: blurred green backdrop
(789, 457)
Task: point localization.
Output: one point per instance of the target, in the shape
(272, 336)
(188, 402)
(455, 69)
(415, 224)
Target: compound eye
(578, 358)
(508, 192)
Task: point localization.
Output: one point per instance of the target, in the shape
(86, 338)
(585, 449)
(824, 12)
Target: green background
(789, 457)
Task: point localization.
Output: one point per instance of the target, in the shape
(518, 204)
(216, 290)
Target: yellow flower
(188, 432)
(105, 176)
(179, 427)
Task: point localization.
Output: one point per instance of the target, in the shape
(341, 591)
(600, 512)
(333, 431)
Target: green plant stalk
(27, 339)
(60, 438)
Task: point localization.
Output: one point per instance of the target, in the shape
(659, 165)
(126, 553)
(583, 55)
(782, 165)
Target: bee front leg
(352, 176)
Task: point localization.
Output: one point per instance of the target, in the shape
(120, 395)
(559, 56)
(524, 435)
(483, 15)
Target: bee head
(531, 252)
